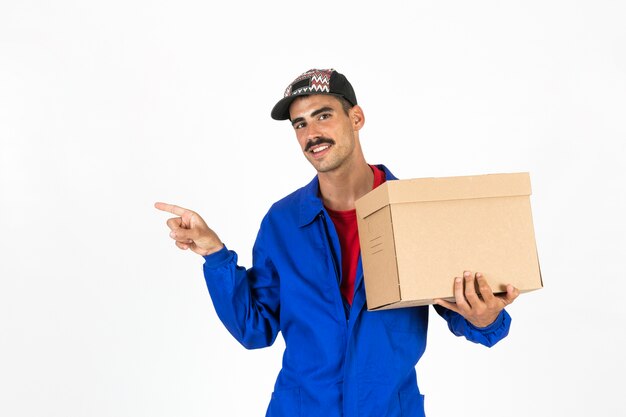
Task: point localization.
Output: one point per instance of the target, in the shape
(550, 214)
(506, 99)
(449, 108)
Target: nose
(312, 131)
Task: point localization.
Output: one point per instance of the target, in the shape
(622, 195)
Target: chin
(322, 168)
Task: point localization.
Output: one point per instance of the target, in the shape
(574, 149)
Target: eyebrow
(315, 113)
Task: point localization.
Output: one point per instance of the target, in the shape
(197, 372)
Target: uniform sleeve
(487, 336)
(246, 300)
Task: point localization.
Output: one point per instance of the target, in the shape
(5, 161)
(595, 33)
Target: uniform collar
(311, 203)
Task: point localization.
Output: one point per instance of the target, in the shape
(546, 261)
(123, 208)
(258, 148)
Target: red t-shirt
(346, 226)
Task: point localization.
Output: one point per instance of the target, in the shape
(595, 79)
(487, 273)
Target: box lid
(442, 189)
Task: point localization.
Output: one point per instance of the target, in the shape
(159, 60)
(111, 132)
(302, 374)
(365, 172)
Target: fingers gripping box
(417, 235)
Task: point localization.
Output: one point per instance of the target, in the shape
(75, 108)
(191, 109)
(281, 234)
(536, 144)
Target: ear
(357, 117)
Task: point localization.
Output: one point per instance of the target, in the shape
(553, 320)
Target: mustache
(318, 141)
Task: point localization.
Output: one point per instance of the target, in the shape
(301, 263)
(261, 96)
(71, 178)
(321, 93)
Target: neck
(340, 188)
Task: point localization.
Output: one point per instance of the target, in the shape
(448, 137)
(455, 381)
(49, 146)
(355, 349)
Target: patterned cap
(314, 81)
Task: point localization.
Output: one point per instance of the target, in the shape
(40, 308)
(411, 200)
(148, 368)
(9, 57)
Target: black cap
(314, 81)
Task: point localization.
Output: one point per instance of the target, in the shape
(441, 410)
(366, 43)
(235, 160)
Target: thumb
(194, 221)
(511, 294)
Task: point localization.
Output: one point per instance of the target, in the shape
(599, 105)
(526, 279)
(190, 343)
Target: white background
(107, 107)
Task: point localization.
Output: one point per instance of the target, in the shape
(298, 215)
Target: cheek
(301, 140)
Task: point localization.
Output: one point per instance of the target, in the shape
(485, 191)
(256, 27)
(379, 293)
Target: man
(307, 282)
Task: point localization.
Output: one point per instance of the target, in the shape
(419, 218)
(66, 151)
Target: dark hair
(345, 104)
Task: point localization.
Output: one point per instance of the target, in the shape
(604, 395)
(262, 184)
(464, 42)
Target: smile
(320, 148)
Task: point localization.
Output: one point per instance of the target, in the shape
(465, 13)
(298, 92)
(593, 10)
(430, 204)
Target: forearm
(246, 313)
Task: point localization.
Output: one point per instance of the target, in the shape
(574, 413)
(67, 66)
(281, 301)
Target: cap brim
(281, 109)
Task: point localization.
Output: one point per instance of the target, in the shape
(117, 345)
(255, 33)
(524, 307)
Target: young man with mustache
(307, 282)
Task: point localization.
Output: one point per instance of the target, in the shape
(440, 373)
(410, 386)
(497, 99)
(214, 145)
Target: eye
(324, 116)
(299, 125)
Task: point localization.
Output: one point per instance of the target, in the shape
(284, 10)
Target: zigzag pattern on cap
(319, 82)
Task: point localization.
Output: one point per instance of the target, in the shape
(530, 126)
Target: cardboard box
(417, 235)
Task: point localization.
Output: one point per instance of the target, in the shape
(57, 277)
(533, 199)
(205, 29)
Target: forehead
(304, 105)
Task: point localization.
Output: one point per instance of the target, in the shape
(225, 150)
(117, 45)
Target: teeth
(320, 149)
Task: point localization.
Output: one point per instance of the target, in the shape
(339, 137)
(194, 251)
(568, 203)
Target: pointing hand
(190, 231)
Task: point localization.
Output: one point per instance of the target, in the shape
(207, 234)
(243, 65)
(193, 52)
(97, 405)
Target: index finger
(171, 208)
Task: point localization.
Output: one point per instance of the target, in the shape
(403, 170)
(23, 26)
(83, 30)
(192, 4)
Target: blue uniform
(338, 360)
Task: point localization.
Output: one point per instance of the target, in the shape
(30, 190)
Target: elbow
(255, 339)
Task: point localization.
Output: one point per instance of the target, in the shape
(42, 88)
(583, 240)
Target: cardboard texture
(417, 235)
